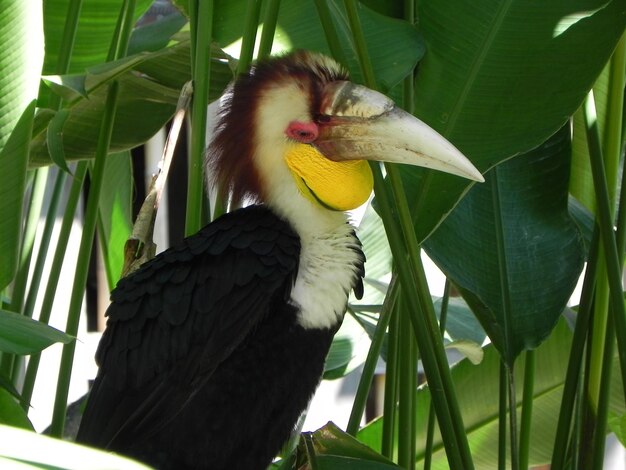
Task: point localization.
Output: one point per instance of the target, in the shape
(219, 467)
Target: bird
(214, 348)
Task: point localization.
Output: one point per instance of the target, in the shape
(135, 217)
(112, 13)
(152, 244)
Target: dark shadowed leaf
(496, 86)
(512, 248)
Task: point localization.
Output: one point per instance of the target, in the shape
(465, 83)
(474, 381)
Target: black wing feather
(176, 319)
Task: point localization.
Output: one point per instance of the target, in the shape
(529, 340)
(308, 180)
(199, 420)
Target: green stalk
(391, 383)
(55, 273)
(412, 273)
(67, 45)
(269, 28)
(602, 412)
(251, 24)
(612, 145)
(527, 410)
(572, 376)
(407, 386)
(8, 363)
(359, 42)
(118, 49)
(201, 77)
(82, 264)
(502, 410)
(332, 38)
(423, 322)
(42, 255)
(513, 417)
(506, 302)
(28, 239)
(63, 63)
(613, 260)
(369, 368)
(430, 432)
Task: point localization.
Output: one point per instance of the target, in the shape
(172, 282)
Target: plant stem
(502, 416)
(117, 49)
(407, 387)
(269, 28)
(606, 230)
(391, 383)
(403, 241)
(513, 416)
(203, 30)
(251, 24)
(359, 42)
(332, 39)
(527, 410)
(9, 363)
(55, 273)
(572, 376)
(369, 368)
(82, 264)
(602, 412)
(42, 255)
(430, 432)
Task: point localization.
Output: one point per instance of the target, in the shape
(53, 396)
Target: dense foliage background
(532, 94)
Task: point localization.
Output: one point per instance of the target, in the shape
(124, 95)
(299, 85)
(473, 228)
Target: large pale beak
(361, 124)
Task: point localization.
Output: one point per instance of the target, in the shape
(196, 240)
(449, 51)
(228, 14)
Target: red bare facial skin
(303, 132)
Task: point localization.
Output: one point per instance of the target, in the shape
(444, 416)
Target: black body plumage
(203, 363)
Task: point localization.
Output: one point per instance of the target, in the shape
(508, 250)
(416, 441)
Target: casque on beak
(357, 123)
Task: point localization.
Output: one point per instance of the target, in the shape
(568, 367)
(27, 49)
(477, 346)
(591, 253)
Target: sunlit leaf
(23, 335)
(21, 57)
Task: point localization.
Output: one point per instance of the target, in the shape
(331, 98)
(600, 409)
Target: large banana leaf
(21, 57)
(478, 399)
(95, 31)
(512, 248)
(500, 77)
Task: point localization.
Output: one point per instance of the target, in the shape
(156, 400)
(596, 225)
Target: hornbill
(214, 348)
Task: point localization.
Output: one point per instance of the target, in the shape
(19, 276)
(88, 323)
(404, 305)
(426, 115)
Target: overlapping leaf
(500, 77)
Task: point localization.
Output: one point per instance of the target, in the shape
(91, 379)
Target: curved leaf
(479, 404)
(512, 248)
(11, 413)
(500, 77)
(150, 84)
(95, 31)
(299, 27)
(23, 335)
(21, 57)
(331, 448)
(17, 447)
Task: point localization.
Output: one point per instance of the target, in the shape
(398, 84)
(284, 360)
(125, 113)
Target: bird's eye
(305, 132)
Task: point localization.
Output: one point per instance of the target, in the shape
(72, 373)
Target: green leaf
(95, 31)
(472, 351)
(115, 213)
(332, 448)
(11, 413)
(21, 57)
(461, 323)
(156, 35)
(150, 84)
(347, 351)
(617, 425)
(479, 403)
(520, 253)
(23, 335)
(55, 139)
(30, 450)
(496, 86)
(299, 27)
